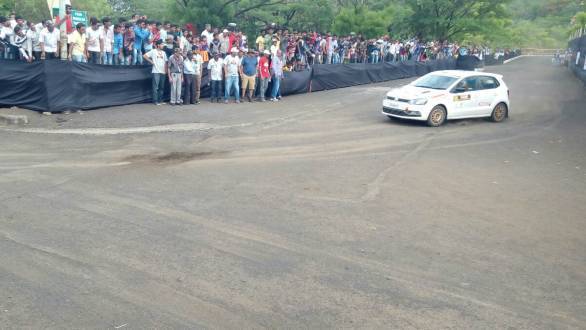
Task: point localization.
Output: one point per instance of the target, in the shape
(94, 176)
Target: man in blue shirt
(117, 57)
(248, 69)
(141, 36)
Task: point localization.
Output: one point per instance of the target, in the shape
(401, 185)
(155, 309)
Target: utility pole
(63, 29)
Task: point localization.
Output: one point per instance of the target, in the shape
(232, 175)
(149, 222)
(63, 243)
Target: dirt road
(316, 212)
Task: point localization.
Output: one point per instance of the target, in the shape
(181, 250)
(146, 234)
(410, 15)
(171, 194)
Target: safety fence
(57, 86)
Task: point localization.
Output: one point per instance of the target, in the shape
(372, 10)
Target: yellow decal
(462, 98)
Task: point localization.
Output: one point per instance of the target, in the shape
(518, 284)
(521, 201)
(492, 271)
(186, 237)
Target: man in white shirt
(274, 47)
(107, 40)
(163, 31)
(19, 41)
(198, 61)
(208, 34)
(6, 36)
(188, 77)
(215, 69)
(231, 67)
(32, 36)
(158, 59)
(94, 43)
(333, 46)
(49, 42)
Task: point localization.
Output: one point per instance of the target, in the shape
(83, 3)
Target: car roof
(463, 74)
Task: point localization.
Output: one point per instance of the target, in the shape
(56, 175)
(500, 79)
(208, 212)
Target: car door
(489, 93)
(464, 98)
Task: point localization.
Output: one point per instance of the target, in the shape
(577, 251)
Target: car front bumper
(403, 110)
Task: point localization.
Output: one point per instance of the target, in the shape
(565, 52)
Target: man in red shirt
(264, 74)
(231, 40)
(68, 22)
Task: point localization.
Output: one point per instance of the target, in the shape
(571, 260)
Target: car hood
(411, 92)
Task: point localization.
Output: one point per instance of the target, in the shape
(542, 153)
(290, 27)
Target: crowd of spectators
(179, 54)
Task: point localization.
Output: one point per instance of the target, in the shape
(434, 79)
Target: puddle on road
(172, 158)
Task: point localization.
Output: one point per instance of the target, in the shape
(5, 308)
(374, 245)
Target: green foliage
(95, 8)
(542, 23)
(360, 21)
(451, 19)
(34, 10)
(5, 7)
(500, 23)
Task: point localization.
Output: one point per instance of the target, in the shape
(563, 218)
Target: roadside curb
(522, 56)
(13, 119)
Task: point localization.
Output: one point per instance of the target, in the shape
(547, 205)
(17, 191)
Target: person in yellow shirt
(77, 42)
(260, 43)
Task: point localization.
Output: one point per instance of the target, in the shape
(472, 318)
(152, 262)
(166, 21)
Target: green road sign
(78, 16)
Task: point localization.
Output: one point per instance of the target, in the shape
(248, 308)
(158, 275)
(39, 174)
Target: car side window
(466, 85)
(489, 82)
(472, 83)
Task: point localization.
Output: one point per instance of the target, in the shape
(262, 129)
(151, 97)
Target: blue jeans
(116, 59)
(276, 87)
(158, 87)
(216, 92)
(107, 59)
(78, 58)
(336, 58)
(137, 56)
(232, 82)
(94, 58)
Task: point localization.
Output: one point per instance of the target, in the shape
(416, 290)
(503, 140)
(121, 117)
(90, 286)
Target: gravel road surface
(314, 212)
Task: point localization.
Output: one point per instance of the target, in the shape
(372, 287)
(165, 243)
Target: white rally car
(452, 94)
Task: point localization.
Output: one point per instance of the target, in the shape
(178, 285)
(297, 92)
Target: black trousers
(188, 88)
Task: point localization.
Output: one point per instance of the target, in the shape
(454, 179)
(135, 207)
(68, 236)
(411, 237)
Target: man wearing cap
(248, 69)
(231, 68)
(264, 73)
(158, 59)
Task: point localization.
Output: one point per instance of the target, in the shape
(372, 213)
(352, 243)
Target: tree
(579, 23)
(95, 8)
(448, 19)
(360, 20)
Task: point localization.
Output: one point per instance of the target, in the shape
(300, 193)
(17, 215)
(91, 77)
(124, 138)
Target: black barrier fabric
(578, 46)
(23, 85)
(467, 62)
(57, 86)
(345, 75)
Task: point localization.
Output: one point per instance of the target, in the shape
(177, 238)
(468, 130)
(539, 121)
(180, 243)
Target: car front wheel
(499, 113)
(437, 116)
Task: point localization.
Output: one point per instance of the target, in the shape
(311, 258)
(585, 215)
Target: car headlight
(418, 101)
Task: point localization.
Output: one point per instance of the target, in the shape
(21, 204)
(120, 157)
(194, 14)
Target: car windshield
(435, 82)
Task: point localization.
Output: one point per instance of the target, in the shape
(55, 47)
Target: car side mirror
(460, 90)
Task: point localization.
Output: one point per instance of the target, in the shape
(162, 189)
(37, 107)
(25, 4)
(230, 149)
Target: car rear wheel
(499, 113)
(437, 116)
